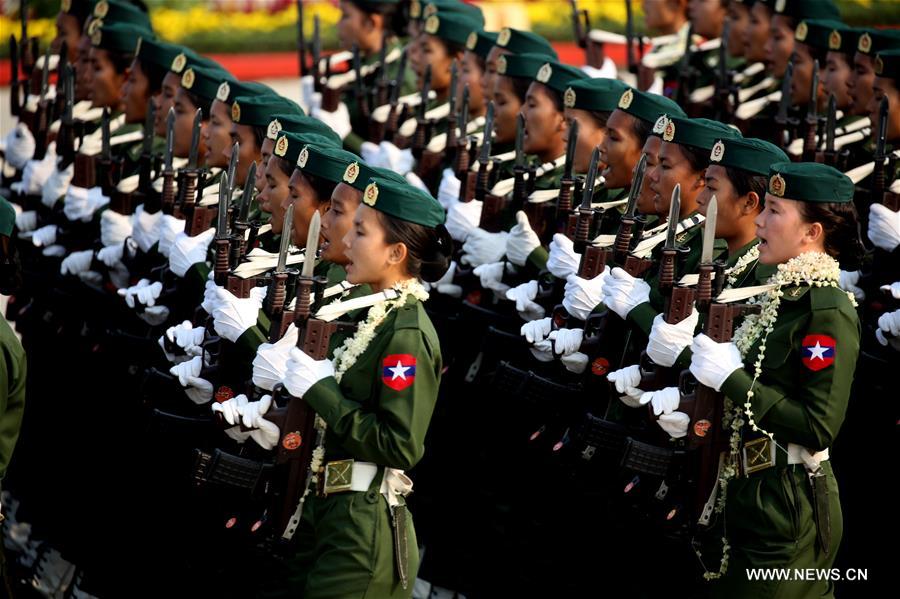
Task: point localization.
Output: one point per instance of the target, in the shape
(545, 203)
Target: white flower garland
(750, 257)
(811, 268)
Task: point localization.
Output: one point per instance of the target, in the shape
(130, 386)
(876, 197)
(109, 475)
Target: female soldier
(375, 398)
(786, 378)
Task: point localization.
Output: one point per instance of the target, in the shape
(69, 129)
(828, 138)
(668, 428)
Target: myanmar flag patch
(399, 371)
(818, 351)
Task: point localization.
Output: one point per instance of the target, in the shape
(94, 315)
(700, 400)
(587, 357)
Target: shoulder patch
(793, 294)
(399, 371)
(818, 351)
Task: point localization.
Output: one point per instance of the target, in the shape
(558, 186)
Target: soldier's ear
(751, 204)
(397, 253)
(813, 233)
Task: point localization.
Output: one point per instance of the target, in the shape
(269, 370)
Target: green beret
(808, 9)
(204, 81)
(594, 94)
(817, 33)
(451, 27)
(289, 145)
(524, 66)
(403, 201)
(300, 124)
(873, 41)
(647, 107)
(696, 133)
(558, 76)
(328, 162)
(357, 173)
(809, 182)
(520, 42)
(257, 111)
(229, 90)
(80, 9)
(887, 64)
(7, 217)
(119, 38)
(113, 11)
(450, 7)
(769, 3)
(156, 51)
(481, 42)
(844, 39)
(747, 154)
(188, 58)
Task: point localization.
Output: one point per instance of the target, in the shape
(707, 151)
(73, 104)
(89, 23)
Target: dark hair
(323, 187)
(10, 267)
(698, 158)
(744, 182)
(198, 102)
(640, 128)
(394, 20)
(520, 86)
(600, 117)
(121, 62)
(259, 136)
(452, 48)
(428, 249)
(555, 97)
(286, 166)
(840, 225)
(154, 74)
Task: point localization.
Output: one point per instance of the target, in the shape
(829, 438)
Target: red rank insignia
(399, 371)
(818, 351)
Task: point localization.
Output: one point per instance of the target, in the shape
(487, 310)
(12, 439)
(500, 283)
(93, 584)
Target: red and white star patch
(399, 371)
(818, 351)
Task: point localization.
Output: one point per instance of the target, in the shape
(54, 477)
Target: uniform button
(372, 496)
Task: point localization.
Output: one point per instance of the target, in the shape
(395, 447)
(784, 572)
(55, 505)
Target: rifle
(276, 296)
(633, 63)
(812, 117)
(462, 157)
(423, 126)
(829, 155)
(494, 206)
(29, 46)
(359, 90)
(188, 178)
(167, 199)
(723, 79)
(106, 170)
(42, 115)
(395, 118)
(301, 40)
(240, 219)
(878, 175)
(59, 104)
(380, 89)
(484, 154)
(453, 117)
(567, 183)
(782, 121)
(686, 72)
(65, 139)
(316, 55)
(222, 240)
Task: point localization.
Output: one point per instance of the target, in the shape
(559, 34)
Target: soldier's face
(885, 88)
(184, 126)
(337, 222)
(84, 72)
(106, 83)
(265, 153)
(662, 15)
(165, 99)
(733, 210)
(645, 204)
(306, 201)
(136, 92)
(782, 232)
(590, 136)
(274, 195)
(470, 74)
(248, 151)
(707, 17)
(620, 150)
(354, 26)
(544, 124)
(67, 30)
(217, 135)
(370, 259)
(506, 107)
(434, 53)
(860, 83)
(835, 79)
(803, 76)
(779, 45)
(757, 33)
(674, 168)
(738, 23)
(489, 80)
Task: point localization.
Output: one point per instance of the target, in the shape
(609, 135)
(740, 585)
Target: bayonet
(286, 240)
(312, 245)
(830, 125)
(674, 213)
(585, 211)
(781, 117)
(812, 116)
(45, 76)
(484, 155)
(520, 140)
(454, 83)
(104, 135)
(464, 114)
(685, 71)
(232, 164)
(357, 70)
(426, 88)
(222, 242)
(637, 182)
(195, 139)
(397, 83)
(878, 175)
(222, 216)
(570, 149)
(170, 139)
(629, 38)
(709, 231)
(247, 195)
(626, 225)
(14, 76)
(147, 142)
(316, 51)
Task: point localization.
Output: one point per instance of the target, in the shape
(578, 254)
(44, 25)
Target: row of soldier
(620, 320)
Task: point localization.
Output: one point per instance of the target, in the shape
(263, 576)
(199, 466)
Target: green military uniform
(12, 367)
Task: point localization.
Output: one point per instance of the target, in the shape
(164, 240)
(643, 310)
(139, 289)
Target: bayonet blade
(312, 244)
(785, 102)
(674, 212)
(426, 88)
(484, 154)
(357, 71)
(709, 231)
(286, 240)
(401, 75)
(520, 140)
(70, 94)
(454, 84)
(464, 113)
(232, 164)
(45, 75)
(195, 139)
(637, 182)
(587, 193)
(222, 216)
(831, 123)
(812, 111)
(170, 138)
(104, 134)
(247, 194)
(882, 130)
(570, 149)
(382, 57)
(147, 145)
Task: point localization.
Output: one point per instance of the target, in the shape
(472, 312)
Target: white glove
(112, 255)
(307, 89)
(197, 389)
(490, 276)
(714, 362)
(56, 185)
(884, 227)
(536, 330)
(889, 322)
(114, 227)
(448, 190)
(667, 341)
(566, 341)
(145, 230)
(54, 251)
(235, 315)
(622, 292)
(339, 120)
(542, 350)
(462, 218)
(664, 401)
(169, 227)
(210, 296)
(575, 362)
(264, 432)
(303, 372)
(581, 296)
(524, 295)
(144, 292)
(675, 424)
(44, 236)
(482, 247)
(185, 336)
(26, 221)
(562, 261)
(81, 204)
(626, 381)
(271, 359)
(231, 409)
(369, 152)
(76, 262)
(848, 281)
(36, 172)
(445, 285)
(187, 251)
(522, 240)
(893, 288)
(19, 146)
(395, 159)
(154, 315)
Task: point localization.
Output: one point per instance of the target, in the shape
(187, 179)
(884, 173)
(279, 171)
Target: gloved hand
(462, 219)
(169, 228)
(893, 288)
(44, 236)
(54, 251)
(581, 296)
(36, 172)
(667, 341)
(231, 409)
(536, 330)
(144, 292)
(482, 247)
(76, 262)
(566, 341)
(210, 296)
(416, 181)
(884, 227)
(145, 230)
(187, 251)
(269, 365)
(395, 159)
(626, 381)
(524, 295)
(307, 89)
(19, 146)
(339, 120)
(235, 315)
(713, 362)
(575, 362)
(522, 240)
(562, 261)
(199, 390)
(114, 227)
(26, 221)
(445, 285)
(675, 424)
(664, 401)
(112, 255)
(81, 204)
(303, 372)
(448, 190)
(491, 275)
(622, 292)
(542, 350)
(185, 336)
(848, 281)
(57, 184)
(264, 432)
(370, 152)
(154, 315)
(889, 323)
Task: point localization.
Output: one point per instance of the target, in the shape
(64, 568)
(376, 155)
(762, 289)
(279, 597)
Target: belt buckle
(757, 455)
(338, 476)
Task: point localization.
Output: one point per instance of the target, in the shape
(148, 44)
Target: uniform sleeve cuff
(324, 397)
(642, 315)
(537, 259)
(250, 340)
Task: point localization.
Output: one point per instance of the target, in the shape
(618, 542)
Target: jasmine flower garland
(741, 265)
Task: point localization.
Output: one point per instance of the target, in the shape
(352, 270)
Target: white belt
(394, 483)
(796, 454)
(363, 475)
